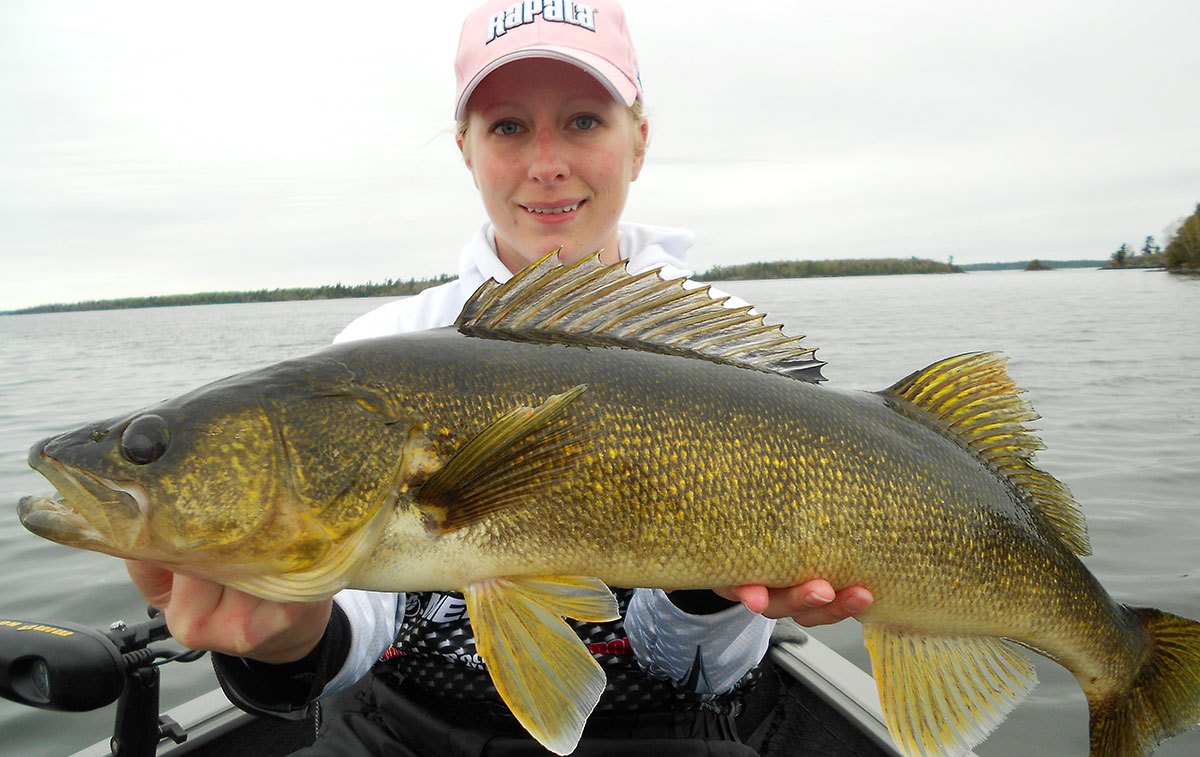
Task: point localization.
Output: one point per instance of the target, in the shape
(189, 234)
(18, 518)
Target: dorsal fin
(589, 302)
(973, 400)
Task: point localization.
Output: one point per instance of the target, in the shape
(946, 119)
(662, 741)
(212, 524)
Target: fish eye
(145, 440)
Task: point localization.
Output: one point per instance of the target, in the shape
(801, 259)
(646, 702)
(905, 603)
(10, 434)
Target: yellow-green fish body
(584, 427)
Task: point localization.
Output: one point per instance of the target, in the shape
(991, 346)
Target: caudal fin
(1164, 698)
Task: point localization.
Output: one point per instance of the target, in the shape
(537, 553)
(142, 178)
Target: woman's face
(552, 154)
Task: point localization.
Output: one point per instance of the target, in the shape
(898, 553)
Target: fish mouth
(89, 511)
(55, 519)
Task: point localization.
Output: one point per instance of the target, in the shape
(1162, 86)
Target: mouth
(88, 511)
(555, 212)
(55, 519)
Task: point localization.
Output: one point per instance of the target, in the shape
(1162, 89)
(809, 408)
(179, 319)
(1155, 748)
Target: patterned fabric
(435, 652)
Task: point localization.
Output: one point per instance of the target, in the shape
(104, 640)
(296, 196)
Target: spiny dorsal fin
(973, 398)
(591, 303)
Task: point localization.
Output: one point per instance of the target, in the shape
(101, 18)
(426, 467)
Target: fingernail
(855, 603)
(817, 599)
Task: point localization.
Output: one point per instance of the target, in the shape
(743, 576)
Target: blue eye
(586, 123)
(506, 128)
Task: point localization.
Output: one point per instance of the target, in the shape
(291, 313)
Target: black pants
(390, 721)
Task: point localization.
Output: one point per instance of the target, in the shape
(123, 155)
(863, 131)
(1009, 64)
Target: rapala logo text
(529, 11)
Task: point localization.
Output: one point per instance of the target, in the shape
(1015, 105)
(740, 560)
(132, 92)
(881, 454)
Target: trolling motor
(70, 668)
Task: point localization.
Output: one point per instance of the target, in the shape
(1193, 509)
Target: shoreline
(792, 269)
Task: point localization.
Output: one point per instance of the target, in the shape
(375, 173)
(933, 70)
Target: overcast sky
(156, 147)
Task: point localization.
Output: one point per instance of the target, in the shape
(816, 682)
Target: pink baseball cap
(590, 35)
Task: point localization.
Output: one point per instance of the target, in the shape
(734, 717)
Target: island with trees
(1182, 254)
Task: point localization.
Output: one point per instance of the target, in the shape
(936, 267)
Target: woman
(552, 130)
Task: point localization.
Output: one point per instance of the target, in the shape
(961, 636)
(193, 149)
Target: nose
(548, 161)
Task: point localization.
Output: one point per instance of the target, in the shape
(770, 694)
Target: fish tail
(1163, 698)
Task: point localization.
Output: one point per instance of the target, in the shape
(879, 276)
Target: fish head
(275, 476)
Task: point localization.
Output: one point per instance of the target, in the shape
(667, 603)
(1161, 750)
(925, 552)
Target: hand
(812, 603)
(205, 615)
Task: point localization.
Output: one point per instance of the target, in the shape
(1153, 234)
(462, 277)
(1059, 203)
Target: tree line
(797, 269)
(1182, 253)
(788, 269)
(389, 288)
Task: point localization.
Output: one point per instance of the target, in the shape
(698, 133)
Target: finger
(154, 583)
(809, 595)
(191, 613)
(781, 602)
(855, 600)
(755, 597)
(802, 599)
(849, 602)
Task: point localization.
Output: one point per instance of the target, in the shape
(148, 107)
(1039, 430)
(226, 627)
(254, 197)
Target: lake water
(1111, 361)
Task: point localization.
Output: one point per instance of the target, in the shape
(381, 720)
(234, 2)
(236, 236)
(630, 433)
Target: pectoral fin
(516, 453)
(944, 695)
(541, 668)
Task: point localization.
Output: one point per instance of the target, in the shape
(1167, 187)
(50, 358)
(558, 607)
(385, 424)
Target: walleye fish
(583, 427)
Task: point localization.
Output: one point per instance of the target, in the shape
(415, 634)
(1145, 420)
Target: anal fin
(543, 671)
(943, 695)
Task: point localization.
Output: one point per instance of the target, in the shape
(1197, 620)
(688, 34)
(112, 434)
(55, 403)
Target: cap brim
(618, 85)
